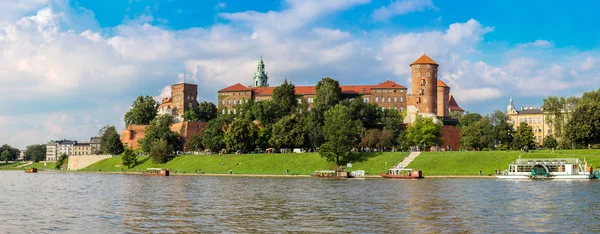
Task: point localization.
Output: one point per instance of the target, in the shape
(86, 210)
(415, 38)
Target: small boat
(156, 172)
(548, 168)
(333, 174)
(403, 173)
(31, 170)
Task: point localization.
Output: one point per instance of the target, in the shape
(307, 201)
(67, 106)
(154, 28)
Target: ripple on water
(78, 203)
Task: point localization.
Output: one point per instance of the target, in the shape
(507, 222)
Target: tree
(502, 129)
(129, 158)
(288, 132)
(240, 135)
(114, 145)
(143, 110)
(212, 137)
(371, 138)
(62, 160)
(386, 139)
(550, 142)
(328, 94)
(160, 151)
(265, 112)
(392, 120)
(468, 119)
(424, 132)
(477, 135)
(160, 128)
(584, 126)
(13, 153)
(6, 156)
(195, 143)
(523, 137)
(366, 113)
(105, 133)
(35, 153)
(205, 112)
(342, 134)
(284, 97)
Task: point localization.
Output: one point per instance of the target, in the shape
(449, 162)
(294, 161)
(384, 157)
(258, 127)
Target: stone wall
(79, 162)
(450, 137)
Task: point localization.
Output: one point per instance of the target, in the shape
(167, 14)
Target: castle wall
(424, 87)
(450, 137)
(443, 100)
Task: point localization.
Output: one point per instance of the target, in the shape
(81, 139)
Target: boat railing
(548, 161)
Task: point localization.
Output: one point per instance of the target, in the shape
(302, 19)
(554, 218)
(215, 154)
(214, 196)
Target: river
(113, 203)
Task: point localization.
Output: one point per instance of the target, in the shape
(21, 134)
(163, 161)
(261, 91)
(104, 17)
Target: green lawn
(40, 166)
(469, 163)
(267, 164)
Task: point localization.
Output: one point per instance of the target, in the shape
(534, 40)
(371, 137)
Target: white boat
(548, 168)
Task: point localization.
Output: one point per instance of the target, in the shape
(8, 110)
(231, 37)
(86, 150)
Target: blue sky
(69, 67)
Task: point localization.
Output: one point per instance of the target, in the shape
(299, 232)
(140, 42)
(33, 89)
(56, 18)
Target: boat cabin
(156, 172)
(571, 168)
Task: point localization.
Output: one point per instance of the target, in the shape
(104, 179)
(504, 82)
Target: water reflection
(78, 203)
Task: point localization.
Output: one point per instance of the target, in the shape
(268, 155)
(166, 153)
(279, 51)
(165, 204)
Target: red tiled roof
(440, 83)
(453, 105)
(236, 87)
(264, 91)
(389, 84)
(424, 60)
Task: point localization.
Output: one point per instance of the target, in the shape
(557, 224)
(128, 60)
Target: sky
(69, 67)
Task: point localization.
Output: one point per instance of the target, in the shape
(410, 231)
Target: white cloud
(220, 5)
(401, 7)
(472, 31)
(588, 64)
(331, 34)
(538, 43)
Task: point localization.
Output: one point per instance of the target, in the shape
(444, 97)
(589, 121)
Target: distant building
(95, 145)
(533, 116)
(132, 136)
(82, 148)
(183, 98)
(51, 151)
(65, 147)
(21, 155)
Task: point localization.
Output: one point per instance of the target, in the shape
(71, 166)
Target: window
(401, 99)
(366, 99)
(228, 102)
(234, 102)
(534, 120)
(222, 102)
(428, 66)
(389, 99)
(234, 111)
(395, 99)
(428, 74)
(376, 99)
(418, 74)
(549, 131)
(190, 105)
(530, 120)
(299, 100)
(228, 112)
(223, 111)
(395, 91)
(418, 66)
(310, 100)
(422, 92)
(382, 99)
(425, 100)
(246, 100)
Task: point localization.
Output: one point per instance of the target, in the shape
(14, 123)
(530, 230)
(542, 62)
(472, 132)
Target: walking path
(408, 159)
(24, 165)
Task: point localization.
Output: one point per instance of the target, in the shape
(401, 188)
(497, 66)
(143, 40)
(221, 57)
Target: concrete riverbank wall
(82, 161)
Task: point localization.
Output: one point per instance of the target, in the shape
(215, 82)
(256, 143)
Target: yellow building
(534, 117)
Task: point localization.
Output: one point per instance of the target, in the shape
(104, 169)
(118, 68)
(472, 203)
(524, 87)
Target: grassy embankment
(264, 164)
(469, 163)
(39, 165)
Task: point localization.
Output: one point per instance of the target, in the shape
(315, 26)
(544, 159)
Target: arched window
(234, 102)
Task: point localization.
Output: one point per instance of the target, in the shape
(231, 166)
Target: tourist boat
(156, 172)
(403, 173)
(31, 170)
(548, 168)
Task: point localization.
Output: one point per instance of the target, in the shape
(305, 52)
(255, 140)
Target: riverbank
(41, 166)
(470, 162)
(253, 164)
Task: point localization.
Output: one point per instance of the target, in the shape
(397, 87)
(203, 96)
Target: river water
(113, 203)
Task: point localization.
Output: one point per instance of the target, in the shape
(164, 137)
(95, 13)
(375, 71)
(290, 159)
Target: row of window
(427, 66)
(388, 91)
(235, 102)
(389, 99)
(427, 75)
(531, 120)
(237, 93)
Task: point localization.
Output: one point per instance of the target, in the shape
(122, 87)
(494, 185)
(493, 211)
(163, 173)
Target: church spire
(261, 79)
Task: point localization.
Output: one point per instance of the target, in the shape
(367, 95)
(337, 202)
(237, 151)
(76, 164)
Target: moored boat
(403, 173)
(156, 172)
(333, 174)
(31, 170)
(548, 168)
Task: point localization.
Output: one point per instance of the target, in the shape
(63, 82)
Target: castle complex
(183, 98)
(430, 96)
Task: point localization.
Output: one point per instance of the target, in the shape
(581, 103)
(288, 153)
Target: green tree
(5, 156)
(328, 94)
(263, 137)
(284, 97)
(240, 135)
(105, 133)
(342, 134)
(129, 158)
(477, 135)
(195, 143)
(143, 110)
(468, 119)
(424, 132)
(584, 126)
(205, 112)
(62, 161)
(212, 137)
(288, 132)
(13, 153)
(550, 142)
(386, 139)
(392, 120)
(523, 137)
(160, 151)
(371, 138)
(35, 153)
(265, 112)
(503, 129)
(160, 128)
(114, 146)
(366, 113)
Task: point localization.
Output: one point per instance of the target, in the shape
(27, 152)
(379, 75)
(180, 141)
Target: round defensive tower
(424, 85)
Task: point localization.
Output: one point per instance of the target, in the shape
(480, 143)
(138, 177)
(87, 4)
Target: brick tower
(184, 98)
(424, 85)
(443, 99)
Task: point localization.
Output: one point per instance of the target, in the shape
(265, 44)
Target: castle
(429, 96)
